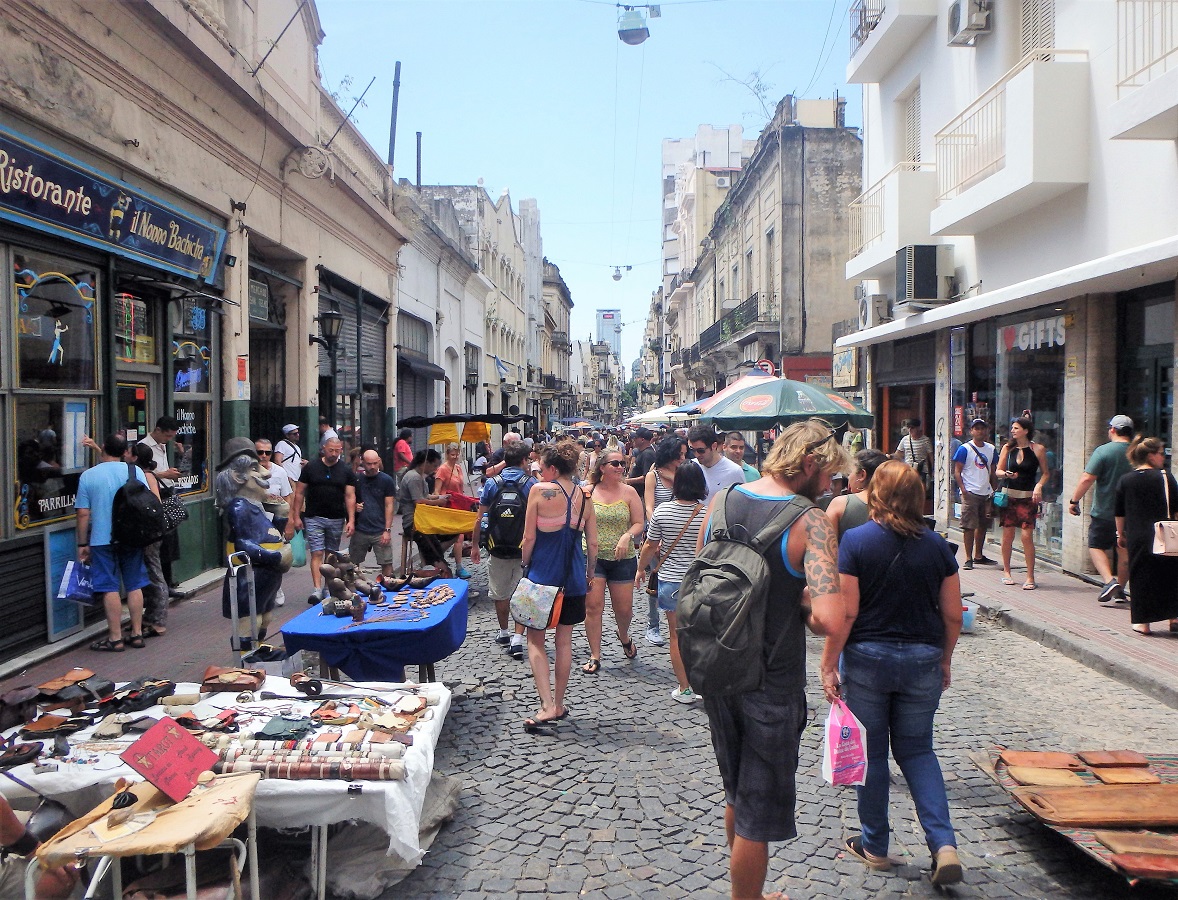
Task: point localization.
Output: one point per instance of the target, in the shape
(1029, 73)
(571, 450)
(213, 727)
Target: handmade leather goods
(1103, 805)
(14, 754)
(1139, 842)
(286, 728)
(1129, 758)
(18, 706)
(73, 676)
(1123, 775)
(1165, 532)
(142, 694)
(1042, 759)
(220, 679)
(64, 692)
(536, 605)
(50, 725)
(1029, 775)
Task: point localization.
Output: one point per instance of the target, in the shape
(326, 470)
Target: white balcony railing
(972, 146)
(1147, 41)
(869, 209)
(865, 15)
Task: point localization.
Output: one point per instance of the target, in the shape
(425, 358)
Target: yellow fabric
(205, 818)
(473, 432)
(442, 520)
(443, 433)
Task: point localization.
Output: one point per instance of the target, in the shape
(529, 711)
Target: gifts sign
(170, 758)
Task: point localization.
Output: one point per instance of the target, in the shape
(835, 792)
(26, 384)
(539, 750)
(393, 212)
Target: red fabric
(402, 455)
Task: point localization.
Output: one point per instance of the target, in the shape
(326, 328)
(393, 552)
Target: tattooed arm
(816, 542)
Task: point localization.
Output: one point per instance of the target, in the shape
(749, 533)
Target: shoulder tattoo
(821, 556)
(548, 493)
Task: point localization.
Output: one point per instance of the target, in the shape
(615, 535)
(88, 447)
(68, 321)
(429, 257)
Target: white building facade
(1016, 241)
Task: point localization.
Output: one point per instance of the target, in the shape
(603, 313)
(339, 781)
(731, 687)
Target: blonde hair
(453, 445)
(810, 438)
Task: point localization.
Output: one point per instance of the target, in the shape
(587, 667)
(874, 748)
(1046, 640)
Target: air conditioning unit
(874, 309)
(967, 20)
(924, 273)
(723, 181)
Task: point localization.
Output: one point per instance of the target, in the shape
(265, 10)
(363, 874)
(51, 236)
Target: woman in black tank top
(850, 510)
(1023, 464)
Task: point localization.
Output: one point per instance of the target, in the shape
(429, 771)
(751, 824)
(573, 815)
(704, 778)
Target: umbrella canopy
(662, 414)
(583, 423)
(698, 407)
(780, 401)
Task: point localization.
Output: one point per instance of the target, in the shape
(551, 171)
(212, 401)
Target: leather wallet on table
(220, 679)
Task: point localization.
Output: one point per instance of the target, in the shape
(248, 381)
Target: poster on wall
(845, 368)
(191, 453)
(47, 436)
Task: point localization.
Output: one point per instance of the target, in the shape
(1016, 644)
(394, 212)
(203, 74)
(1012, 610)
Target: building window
(770, 266)
(413, 334)
(133, 324)
(910, 139)
(55, 317)
(193, 392)
(748, 274)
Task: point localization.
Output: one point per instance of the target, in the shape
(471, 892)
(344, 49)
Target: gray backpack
(723, 602)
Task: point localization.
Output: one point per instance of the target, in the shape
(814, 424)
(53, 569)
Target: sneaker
(463, 572)
(316, 596)
(280, 598)
(685, 696)
(653, 637)
(967, 565)
(503, 637)
(984, 561)
(1109, 591)
(517, 649)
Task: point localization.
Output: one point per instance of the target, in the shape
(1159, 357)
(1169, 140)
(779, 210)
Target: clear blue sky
(542, 98)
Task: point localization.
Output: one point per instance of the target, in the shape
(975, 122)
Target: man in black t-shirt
(374, 521)
(643, 455)
(328, 488)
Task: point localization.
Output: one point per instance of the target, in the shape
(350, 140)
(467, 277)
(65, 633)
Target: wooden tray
(1103, 805)
(1139, 842)
(1033, 776)
(1130, 758)
(1147, 865)
(1037, 759)
(1122, 775)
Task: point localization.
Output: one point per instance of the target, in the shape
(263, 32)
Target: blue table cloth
(379, 651)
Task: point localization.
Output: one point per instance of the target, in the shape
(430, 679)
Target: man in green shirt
(734, 450)
(1104, 469)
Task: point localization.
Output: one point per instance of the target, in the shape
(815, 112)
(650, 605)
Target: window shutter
(1038, 24)
(912, 127)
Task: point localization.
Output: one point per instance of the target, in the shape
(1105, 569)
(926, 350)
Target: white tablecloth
(394, 806)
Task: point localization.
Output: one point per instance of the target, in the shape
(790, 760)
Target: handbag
(175, 511)
(538, 605)
(222, 679)
(1165, 532)
(652, 583)
(1001, 498)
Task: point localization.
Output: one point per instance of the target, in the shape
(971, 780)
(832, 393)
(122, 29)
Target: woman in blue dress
(558, 513)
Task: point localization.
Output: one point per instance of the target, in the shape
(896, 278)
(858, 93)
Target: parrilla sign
(49, 191)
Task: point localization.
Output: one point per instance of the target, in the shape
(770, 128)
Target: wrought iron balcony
(752, 315)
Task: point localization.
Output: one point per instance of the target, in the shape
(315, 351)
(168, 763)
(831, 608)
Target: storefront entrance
(1145, 370)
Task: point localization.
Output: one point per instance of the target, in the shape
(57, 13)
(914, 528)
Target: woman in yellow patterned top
(620, 520)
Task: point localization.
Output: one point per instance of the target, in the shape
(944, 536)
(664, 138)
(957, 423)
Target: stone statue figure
(242, 487)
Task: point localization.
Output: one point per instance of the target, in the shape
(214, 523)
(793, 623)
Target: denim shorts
(755, 737)
(111, 564)
(668, 595)
(323, 534)
(616, 570)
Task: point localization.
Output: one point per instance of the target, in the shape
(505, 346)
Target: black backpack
(137, 518)
(723, 602)
(505, 517)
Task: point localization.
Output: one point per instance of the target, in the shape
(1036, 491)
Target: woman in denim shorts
(620, 519)
(670, 544)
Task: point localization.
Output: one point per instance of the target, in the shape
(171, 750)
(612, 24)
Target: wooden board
(1037, 759)
(1130, 758)
(1139, 842)
(1030, 775)
(1147, 865)
(1103, 805)
(1121, 775)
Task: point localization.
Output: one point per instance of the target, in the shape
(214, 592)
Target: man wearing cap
(1104, 469)
(973, 470)
(329, 488)
(287, 452)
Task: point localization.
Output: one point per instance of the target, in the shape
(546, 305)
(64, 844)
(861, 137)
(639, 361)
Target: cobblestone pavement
(625, 800)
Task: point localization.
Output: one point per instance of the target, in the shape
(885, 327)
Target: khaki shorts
(502, 576)
(975, 511)
(362, 543)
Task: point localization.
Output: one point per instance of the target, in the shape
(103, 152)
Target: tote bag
(1165, 532)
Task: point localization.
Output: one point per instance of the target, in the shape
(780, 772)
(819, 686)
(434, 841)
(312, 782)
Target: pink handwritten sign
(170, 758)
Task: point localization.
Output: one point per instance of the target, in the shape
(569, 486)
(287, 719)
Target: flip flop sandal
(1008, 581)
(628, 647)
(854, 846)
(593, 666)
(1030, 586)
(106, 645)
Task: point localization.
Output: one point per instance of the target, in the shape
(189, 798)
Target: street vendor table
(86, 779)
(381, 650)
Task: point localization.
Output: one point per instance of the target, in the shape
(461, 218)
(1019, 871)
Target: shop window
(191, 356)
(192, 446)
(55, 323)
(133, 325)
(47, 444)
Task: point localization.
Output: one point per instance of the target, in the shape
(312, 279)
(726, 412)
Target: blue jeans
(894, 690)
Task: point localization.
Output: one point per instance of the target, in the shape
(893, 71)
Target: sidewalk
(1063, 615)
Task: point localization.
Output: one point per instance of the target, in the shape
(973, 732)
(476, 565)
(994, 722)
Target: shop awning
(1121, 271)
(422, 367)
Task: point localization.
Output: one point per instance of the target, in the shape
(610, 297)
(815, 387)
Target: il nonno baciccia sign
(49, 191)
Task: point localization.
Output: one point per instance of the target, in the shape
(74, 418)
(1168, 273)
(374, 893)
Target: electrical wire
(818, 62)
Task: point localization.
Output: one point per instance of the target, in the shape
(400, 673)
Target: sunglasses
(265, 453)
(814, 445)
(702, 449)
(616, 463)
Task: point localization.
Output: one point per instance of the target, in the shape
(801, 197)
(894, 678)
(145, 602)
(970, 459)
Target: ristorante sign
(49, 191)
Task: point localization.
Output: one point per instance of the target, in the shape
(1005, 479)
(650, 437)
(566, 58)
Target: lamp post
(331, 323)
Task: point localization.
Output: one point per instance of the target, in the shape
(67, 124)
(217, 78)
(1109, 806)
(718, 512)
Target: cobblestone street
(625, 799)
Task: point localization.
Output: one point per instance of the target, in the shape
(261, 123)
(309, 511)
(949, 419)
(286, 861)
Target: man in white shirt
(288, 454)
(973, 470)
(165, 431)
(719, 471)
(915, 448)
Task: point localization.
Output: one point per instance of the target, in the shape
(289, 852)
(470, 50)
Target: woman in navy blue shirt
(903, 596)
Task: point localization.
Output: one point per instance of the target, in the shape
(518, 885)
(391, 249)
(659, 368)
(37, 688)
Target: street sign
(766, 366)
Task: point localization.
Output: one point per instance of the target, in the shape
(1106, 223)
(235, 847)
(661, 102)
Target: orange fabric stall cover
(473, 432)
(443, 433)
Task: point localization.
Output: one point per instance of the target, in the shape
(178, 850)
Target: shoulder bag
(652, 583)
(1165, 532)
(538, 605)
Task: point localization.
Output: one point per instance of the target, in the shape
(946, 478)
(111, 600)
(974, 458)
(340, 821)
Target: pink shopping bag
(844, 747)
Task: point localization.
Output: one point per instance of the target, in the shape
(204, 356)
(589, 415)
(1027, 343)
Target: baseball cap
(645, 433)
(287, 429)
(1119, 422)
(976, 422)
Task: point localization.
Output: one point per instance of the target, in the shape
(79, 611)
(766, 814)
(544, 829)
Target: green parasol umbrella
(781, 401)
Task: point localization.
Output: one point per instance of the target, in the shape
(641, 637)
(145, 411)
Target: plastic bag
(844, 747)
(298, 549)
(76, 584)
